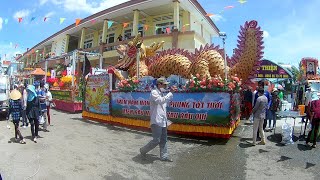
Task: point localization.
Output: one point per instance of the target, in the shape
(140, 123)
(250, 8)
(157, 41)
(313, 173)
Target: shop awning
(38, 72)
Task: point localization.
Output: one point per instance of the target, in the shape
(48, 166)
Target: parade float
(65, 81)
(206, 102)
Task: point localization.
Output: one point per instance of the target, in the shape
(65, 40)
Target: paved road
(80, 149)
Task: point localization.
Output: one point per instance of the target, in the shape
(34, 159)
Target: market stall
(65, 80)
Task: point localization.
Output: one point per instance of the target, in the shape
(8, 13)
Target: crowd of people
(31, 105)
(261, 107)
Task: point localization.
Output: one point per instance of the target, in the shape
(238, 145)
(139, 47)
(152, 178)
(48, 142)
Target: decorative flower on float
(130, 84)
(55, 84)
(213, 84)
(52, 80)
(48, 73)
(67, 79)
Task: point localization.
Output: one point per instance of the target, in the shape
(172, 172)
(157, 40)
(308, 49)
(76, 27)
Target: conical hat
(15, 95)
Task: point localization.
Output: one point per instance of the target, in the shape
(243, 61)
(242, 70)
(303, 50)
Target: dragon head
(129, 52)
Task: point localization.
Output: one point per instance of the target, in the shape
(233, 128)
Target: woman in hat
(33, 111)
(15, 108)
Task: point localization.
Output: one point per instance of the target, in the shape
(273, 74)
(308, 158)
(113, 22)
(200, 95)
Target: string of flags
(124, 24)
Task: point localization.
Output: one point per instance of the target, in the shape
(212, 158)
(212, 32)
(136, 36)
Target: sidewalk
(298, 128)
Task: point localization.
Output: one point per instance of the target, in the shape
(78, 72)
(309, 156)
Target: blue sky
(291, 26)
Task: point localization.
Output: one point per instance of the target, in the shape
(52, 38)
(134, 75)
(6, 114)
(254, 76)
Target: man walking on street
(259, 114)
(158, 120)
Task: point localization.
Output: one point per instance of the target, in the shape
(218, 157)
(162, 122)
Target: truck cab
(4, 94)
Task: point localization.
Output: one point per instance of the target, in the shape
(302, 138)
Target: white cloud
(49, 14)
(217, 17)
(42, 2)
(83, 5)
(21, 14)
(1, 22)
(7, 51)
(296, 38)
(265, 34)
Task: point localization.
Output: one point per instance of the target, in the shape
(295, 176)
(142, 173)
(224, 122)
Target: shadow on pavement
(149, 159)
(284, 158)
(172, 137)
(245, 145)
(308, 165)
(276, 138)
(302, 147)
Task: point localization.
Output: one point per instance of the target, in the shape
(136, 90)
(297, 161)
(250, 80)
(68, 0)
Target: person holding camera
(159, 120)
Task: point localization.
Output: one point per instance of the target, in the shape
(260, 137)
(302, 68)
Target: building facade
(180, 23)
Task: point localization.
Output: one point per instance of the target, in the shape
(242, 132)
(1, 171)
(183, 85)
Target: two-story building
(180, 23)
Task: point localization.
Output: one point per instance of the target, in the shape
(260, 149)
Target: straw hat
(15, 95)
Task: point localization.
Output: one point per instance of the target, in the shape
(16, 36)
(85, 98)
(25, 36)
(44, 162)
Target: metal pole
(138, 61)
(225, 59)
(100, 63)
(46, 69)
(73, 67)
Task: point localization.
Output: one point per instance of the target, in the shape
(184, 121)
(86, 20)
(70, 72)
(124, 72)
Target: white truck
(4, 94)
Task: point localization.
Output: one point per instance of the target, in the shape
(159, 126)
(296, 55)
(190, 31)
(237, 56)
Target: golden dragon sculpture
(207, 61)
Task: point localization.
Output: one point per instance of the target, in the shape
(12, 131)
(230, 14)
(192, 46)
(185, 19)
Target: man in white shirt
(158, 120)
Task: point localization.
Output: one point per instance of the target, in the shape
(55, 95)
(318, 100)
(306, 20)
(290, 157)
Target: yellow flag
(61, 20)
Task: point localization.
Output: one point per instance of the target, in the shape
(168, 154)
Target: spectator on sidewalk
(33, 111)
(315, 120)
(307, 101)
(300, 96)
(23, 91)
(248, 96)
(259, 114)
(274, 107)
(15, 107)
(48, 96)
(263, 84)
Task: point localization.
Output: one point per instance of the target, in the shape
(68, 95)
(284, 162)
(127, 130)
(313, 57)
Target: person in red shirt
(315, 120)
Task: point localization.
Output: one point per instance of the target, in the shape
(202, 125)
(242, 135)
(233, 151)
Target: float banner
(268, 69)
(61, 95)
(98, 94)
(186, 108)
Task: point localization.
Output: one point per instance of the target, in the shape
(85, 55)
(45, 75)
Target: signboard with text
(97, 98)
(61, 95)
(186, 108)
(268, 69)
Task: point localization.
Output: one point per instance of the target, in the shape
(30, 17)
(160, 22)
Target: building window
(100, 36)
(127, 34)
(88, 41)
(87, 44)
(162, 27)
(110, 38)
(141, 31)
